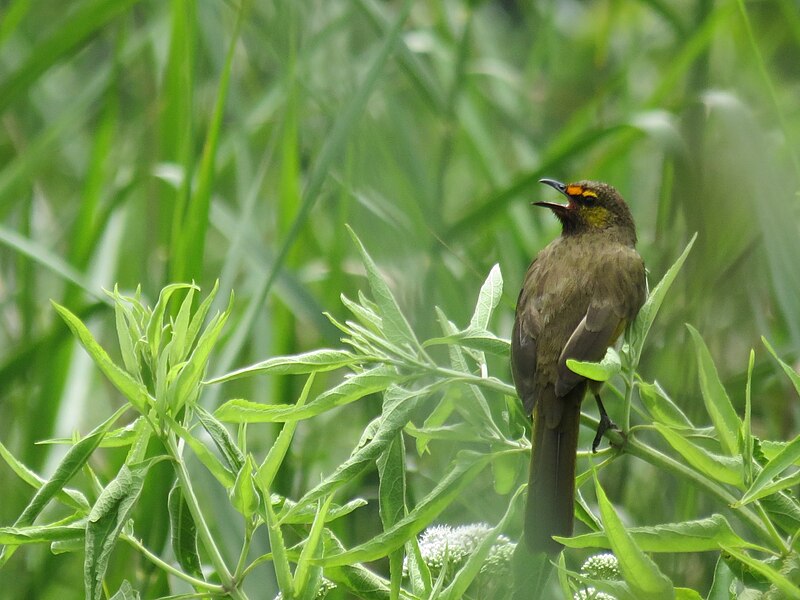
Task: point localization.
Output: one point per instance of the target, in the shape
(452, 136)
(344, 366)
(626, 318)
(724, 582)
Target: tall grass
(143, 143)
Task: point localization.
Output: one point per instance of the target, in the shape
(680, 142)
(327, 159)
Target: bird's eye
(589, 198)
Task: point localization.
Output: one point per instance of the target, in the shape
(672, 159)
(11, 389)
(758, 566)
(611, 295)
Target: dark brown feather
(578, 295)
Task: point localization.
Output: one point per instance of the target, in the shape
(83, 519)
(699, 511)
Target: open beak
(558, 209)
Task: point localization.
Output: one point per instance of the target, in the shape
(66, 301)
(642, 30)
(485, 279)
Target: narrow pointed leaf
(105, 522)
(701, 535)
(309, 362)
(183, 532)
(717, 402)
(488, 299)
(351, 389)
(644, 320)
(597, 371)
(661, 407)
(640, 572)
(719, 468)
(134, 391)
(395, 326)
(785, 459)
(789, 590)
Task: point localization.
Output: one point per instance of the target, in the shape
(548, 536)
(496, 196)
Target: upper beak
(555, 207)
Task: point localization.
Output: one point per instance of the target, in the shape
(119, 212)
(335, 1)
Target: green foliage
(146, 143)
(386, 357)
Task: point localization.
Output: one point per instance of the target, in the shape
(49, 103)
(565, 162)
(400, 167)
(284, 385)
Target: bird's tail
(551, 484)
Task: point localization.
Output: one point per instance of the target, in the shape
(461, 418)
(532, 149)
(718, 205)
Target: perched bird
(579, 293)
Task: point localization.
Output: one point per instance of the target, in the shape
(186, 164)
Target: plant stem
(228, 582)
(165, 566)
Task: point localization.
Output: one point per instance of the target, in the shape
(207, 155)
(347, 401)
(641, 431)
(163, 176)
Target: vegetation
(353, 171)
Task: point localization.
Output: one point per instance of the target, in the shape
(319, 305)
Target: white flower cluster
(600, 566)
(457, 543)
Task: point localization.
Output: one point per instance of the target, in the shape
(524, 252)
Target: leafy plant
(165, 355)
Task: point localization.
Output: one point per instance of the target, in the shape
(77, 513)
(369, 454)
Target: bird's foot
(605, 424)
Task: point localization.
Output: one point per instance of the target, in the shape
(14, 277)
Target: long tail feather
(551, 485)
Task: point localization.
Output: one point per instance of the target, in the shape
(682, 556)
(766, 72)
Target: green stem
(228, 582)
(165, 566)
(248, 536)
(776, 537)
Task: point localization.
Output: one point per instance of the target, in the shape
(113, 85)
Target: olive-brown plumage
(579, 293)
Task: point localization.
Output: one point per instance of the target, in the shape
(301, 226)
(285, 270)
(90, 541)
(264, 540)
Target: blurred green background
(145, 142)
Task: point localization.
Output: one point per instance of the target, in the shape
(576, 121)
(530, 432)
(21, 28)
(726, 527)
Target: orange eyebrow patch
(574, 190)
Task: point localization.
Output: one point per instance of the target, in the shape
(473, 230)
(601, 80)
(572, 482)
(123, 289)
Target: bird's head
(591, 206)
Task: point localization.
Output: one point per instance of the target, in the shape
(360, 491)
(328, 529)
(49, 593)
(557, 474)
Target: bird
(578, 295)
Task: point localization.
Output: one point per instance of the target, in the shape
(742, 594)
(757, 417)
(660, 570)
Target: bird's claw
(605, 424)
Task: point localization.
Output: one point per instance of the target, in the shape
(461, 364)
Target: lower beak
(559, 209)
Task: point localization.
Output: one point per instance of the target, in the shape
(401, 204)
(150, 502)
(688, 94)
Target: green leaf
(283, 573)
(473, 407)
(788, 589)
(274, 459)
(717, 402)
(183, 532)
(305, 513)
(180, 329)
(364, 312)
(222, 439)
(72, 498)
(309, 362)
(644, 320)
(392, 501)
(126, 592)
(73, 461)
(488, 299)
(785, 459)
(398, 406)
(351, 389)
(747, 442)
(719, 468)
(394, 323)
(311, 549)
(199, 316)
(187, 385)
(701, 535)
(597, 371)
(203, 454)
(645, 579)
(482, 340)
(661, 407)
(108, 517)
(127, 338)
(155, 325)
(723, 579)
(467, 466)
(134, 391)
(244, 493)
(37, 534)
(790, 372)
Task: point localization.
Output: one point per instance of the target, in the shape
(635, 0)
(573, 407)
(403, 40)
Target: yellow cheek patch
(596, 216)
(574, 190)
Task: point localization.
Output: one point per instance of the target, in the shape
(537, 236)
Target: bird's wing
(614, 302)
(593, 335)
(527, 327)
